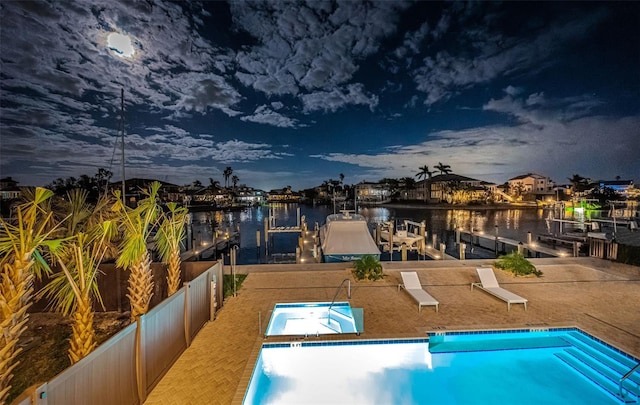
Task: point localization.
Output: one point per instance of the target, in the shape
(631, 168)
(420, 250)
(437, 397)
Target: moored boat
(345, 237)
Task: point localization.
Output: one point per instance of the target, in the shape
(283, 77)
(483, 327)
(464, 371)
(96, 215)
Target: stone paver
(600, 297)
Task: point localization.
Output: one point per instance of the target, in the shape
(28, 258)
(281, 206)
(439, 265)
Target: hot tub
(314, 318)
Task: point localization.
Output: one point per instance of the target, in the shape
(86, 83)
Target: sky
(297, 93)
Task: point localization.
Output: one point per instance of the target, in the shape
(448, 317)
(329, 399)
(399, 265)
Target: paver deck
(598, 296)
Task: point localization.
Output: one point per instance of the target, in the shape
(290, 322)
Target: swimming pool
(514, 367)
(313, 318)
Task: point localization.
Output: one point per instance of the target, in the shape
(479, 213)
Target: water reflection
(509, 223)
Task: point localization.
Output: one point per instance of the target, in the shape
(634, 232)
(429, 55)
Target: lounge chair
(489, 284)
(411, 283)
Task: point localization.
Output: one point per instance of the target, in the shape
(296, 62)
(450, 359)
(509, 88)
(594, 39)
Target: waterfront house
(134, 190)
(453, 188)
(531, 183)
(9, 195)
(283, 195)
(9, 189)
(372, 193)
(247, 196)
(620, 187)
(531, 187)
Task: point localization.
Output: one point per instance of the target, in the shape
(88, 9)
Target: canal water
(512, 223)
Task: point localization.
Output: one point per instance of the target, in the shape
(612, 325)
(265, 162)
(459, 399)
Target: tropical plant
(391, 185)
(442, 168)
(235, 179)
(578, 183)
(425, 174)
(74, 289)
(227, 284)
(214, 185)
(407, 183)
(136, 224)
(517, 264)
(95, 185)
(21, 243)
(227, 173)
(367, 267)
(169, 239)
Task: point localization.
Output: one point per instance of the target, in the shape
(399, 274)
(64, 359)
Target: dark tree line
(95, 185)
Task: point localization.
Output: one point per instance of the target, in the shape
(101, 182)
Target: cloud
(551, 141)
(411, 44)
(49, 58)
(264, 115)
(208, 91)
(484, 56)
(538, 110)
(353, 94)
(309, 51)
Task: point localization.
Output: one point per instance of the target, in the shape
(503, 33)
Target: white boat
(405, 232)
(345, 237)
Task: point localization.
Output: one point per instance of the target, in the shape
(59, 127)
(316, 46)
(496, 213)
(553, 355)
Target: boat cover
(348, 237)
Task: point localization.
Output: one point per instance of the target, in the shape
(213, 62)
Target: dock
(307, 250)
(412, 239)
(530, 248)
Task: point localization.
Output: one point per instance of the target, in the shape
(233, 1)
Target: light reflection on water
(509, 223)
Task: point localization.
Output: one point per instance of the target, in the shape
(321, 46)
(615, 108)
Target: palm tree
(235, 179)
(169, 240)
(443, 169)
(89, 231)
(227, 173)
(425, 174)
(136, 225)
(408, 183)
(213, 184)
(21, 243)
(578, 183)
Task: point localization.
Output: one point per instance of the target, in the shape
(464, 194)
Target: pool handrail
(336, 296)
(624, 377)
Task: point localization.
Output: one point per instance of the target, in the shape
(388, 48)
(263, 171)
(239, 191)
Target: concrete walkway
(598, 296)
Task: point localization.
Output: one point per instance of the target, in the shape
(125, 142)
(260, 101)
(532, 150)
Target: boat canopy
(348, 237)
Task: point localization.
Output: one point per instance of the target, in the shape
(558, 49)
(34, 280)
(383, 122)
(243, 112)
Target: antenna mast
(122, 134)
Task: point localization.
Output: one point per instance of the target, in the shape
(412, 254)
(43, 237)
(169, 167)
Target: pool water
(491, 368)
(312, 318)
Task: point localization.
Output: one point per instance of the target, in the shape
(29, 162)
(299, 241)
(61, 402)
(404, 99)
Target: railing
(336, 296)
(624, 377)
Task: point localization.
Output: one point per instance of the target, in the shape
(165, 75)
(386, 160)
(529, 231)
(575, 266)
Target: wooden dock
(529, 248)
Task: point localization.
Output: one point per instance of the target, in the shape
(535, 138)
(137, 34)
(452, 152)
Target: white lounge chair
(489, 284)
(411, 283)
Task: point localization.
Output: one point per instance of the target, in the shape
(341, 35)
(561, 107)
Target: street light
(496, 240)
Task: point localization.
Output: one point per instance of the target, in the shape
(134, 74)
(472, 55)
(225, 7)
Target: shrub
(227, 284)
(517, 264)
(367, 267)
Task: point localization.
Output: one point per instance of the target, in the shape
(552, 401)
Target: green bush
(367, 267)
(227, 283)
(517, 264)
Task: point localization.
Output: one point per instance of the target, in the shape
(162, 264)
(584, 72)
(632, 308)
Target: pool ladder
(333, 301)
(621, 394)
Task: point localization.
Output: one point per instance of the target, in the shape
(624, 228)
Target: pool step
(496, 344)
(602, 365)
(603, 354)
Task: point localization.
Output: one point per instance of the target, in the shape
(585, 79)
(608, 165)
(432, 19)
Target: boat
(402, 232)
(345, 237)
